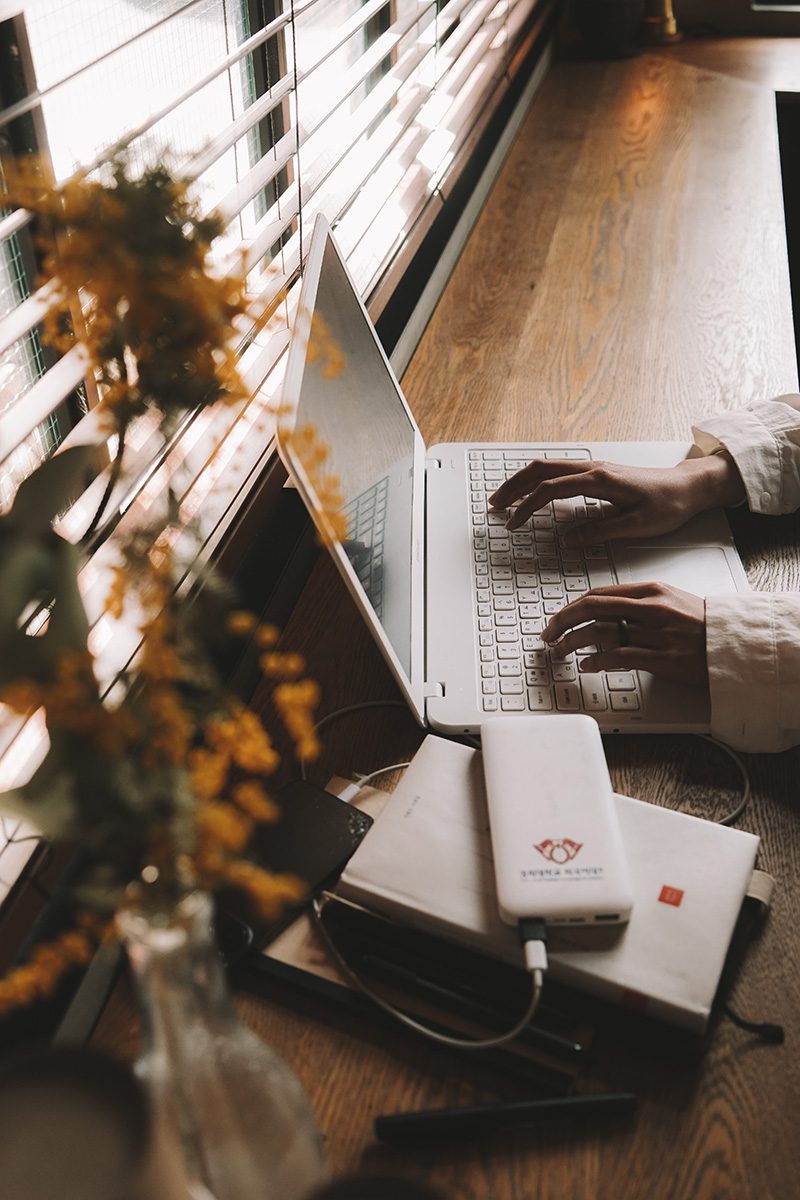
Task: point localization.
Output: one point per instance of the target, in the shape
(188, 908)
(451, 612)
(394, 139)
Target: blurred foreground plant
(162, 779)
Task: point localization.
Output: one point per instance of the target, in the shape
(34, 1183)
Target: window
(278, 110)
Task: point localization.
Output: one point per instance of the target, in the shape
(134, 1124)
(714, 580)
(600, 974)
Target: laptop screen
(357, 413)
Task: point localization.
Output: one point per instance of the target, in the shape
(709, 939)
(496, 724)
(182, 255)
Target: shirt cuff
(753, 654)
(760, 441)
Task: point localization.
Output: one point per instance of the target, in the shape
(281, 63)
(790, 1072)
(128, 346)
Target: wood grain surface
(627, 274)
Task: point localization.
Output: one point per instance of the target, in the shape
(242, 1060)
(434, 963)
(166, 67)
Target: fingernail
(491, 498)
(586, 664)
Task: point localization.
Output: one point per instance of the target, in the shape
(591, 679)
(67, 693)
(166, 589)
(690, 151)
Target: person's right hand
(641, 501)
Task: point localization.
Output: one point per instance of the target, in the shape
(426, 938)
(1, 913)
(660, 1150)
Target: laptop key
(512, 703)
(599, 576)
(539, 699)
(567, 697)
(620, 681)
(490, 704)
(624, 700)
(535, 658)
(511, 668)
(537, 677)
(593, 692)
(511, 687)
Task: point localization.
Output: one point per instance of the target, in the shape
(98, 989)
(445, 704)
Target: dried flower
(168, 782)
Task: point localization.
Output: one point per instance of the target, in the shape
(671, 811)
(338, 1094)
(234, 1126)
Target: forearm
(712, 481)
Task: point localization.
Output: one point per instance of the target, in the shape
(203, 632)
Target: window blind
(277, 110)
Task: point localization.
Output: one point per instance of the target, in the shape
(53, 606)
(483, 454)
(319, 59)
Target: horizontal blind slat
(26, 316)
(19, 421)
(355, 25)
(281, 214)
(14, 222)
(254, 113)
(34, 99)
(257, 178)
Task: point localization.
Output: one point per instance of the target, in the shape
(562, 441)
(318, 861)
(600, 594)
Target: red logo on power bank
(558, 850)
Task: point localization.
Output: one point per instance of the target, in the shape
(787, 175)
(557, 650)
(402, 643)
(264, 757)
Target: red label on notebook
(671, 895)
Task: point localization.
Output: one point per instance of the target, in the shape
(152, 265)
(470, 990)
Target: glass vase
(230, 1119)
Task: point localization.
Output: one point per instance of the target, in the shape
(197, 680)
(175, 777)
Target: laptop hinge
(431, 690)
(433, 464)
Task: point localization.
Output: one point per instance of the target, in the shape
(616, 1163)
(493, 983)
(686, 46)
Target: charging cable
(344, 712)
(733, 816)
(533, 937)
(351, 791)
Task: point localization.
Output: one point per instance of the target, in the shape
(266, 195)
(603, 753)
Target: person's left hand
(645, 626)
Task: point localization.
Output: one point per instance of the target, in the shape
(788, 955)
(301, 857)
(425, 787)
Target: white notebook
(427, 861)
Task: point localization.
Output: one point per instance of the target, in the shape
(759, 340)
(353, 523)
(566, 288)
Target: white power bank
(556, 842)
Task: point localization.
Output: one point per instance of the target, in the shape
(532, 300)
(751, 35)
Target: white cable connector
(351, 791)
(535, 956)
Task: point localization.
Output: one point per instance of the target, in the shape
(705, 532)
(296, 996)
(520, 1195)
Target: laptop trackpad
(703, 569)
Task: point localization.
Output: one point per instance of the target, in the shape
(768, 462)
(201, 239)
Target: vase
(230, 1119)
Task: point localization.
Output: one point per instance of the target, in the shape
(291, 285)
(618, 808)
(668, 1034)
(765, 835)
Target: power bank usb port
(607, 917)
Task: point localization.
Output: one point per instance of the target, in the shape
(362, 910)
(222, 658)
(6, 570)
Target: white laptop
(454, 602)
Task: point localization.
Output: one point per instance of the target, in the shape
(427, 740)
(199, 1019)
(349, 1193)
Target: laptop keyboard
(522, 578)
(364, 544)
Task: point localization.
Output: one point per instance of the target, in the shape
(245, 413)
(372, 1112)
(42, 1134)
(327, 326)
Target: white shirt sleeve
(753, 639)
(764, 442)
(753, 653)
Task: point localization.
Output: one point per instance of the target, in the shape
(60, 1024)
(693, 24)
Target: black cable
(773, 1035)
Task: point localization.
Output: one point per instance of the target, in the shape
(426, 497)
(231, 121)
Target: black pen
(441, 1123)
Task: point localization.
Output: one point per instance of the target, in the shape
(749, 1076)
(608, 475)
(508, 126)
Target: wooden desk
(627, 274)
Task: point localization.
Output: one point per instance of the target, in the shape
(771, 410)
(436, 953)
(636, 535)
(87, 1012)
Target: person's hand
(644, 626)
(643, 501)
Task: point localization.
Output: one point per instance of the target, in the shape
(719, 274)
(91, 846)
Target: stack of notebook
(427, 862)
